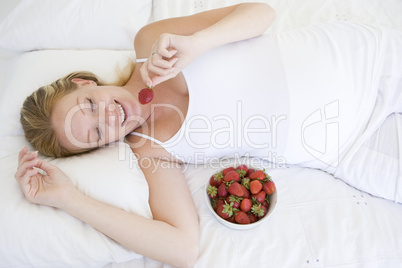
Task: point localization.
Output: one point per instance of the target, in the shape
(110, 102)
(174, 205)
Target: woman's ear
(83, 82)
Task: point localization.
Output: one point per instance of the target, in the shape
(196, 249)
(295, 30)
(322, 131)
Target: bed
(319, 220)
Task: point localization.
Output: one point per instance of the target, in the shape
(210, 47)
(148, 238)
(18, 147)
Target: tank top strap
(147, 137)
(141, 60)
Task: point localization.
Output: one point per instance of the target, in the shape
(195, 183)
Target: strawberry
(246, 205)
(242, 170)
(265, 210)
(216, 179)
(242, 167)
(222, 192)
(260, 197)
(255, 186)
(216, 202)
(252, 218)
(233, 200)
(246, 183)
(226, 170)
(242, 218)
(225, 210)
(212, 191)
(232, 176)
(259, 174)
(249, 172)
(245, 191)
(231, 219)
(235, 189)
(269, 187)
(146, 95)
(259, 210)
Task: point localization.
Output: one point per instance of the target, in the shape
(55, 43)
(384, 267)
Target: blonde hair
(35, 114)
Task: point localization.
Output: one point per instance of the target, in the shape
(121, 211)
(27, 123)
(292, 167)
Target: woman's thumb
(46, 167)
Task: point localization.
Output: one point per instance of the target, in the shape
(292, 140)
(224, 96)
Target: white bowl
(273, 199)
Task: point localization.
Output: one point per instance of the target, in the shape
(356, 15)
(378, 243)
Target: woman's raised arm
(170, 45)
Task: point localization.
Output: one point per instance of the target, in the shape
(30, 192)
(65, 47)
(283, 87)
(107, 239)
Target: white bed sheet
(319, 221)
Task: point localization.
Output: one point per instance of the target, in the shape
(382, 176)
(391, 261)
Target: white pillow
(292, 14)
(74, 24)
(168, 9)
(39, 236)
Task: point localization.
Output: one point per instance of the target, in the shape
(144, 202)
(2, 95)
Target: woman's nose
(107, 114)
(111, 114)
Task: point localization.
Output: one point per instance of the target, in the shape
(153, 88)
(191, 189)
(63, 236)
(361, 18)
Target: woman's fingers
(29, 166)
(166, 53)
(162, 63)
(159, 65)
(30, 184)
(27, 177)
(165, 47)
(28, 157)
(22, 169)
(159, 79)
(46, 166)
(22, 153)
(158, 61)
(158, 74)
(160, 69)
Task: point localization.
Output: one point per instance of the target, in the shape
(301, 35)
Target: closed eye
(91, 103)
(92, 109)
(99, 134)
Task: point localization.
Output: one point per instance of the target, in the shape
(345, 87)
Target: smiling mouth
(123, 115)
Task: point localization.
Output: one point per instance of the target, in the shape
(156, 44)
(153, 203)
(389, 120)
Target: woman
(208, 72)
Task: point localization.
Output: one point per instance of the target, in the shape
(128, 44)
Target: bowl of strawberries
(241, 197)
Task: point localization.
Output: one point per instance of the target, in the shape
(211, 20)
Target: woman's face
(92, 115)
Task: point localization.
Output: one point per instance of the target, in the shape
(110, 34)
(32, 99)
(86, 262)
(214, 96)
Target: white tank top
(297, 97)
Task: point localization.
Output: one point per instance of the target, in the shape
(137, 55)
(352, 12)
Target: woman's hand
(170, 55)
(52, 189)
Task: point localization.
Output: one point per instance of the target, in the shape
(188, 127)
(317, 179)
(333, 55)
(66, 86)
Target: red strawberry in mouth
(146, 95)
